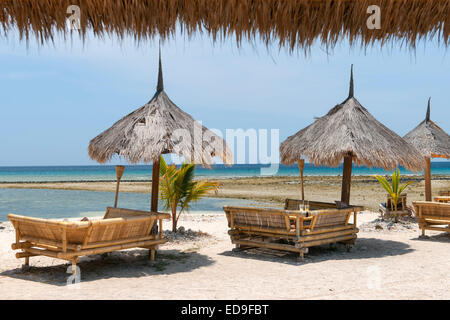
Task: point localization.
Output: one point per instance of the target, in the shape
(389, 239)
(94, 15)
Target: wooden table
(445, 199)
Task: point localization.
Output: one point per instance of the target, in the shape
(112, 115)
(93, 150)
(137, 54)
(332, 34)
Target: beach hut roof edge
(159, 127)
(431, 140)
(294, 24)
(349, 129)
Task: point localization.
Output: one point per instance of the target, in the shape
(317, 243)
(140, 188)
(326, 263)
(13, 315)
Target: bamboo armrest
(130, 213)
(300, 225)
(306, 219)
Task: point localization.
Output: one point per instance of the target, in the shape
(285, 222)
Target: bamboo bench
(68, 240)
(291, 230)
(444, 199)
(432, 215)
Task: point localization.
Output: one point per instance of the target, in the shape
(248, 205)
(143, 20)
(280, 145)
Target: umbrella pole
(427, 179)
(119, 173)
(155, 186)
(346, 179)
(301, 167)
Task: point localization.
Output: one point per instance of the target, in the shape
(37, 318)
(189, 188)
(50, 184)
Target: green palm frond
(167, 186)
(403, 187)
(197, 191)
(384, 183)
(178, 189)
(186, 176)
(162, 166)
(394, 189)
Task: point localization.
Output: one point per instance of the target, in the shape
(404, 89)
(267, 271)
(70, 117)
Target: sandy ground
(384, 264)
(365, 191)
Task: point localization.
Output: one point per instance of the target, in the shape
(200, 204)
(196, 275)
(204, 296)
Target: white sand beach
(384, 264)
(282, 100)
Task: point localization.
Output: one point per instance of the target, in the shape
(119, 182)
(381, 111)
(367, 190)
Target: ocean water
(144, 173)
(72, 204)
(57, 204)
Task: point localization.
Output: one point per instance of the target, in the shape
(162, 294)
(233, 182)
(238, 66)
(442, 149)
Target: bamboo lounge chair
(444, 196)
(432, 215)
(292, 230)
(68, 240)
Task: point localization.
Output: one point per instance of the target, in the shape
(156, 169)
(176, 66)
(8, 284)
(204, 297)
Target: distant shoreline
(105, 174)
(415, 177)
(365, 190)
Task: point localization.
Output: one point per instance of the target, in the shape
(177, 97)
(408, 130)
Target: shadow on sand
(120, 264)
(440, 237)
(365, 248)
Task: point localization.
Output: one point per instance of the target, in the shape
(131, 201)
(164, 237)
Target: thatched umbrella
(350, 132)
(432, 142)
(290, 23)
(159, 127)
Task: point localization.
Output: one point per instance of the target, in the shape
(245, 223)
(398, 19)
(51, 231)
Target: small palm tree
(394, 190)
(178, 189)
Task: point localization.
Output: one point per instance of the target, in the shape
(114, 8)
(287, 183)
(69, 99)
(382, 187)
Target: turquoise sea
(70, 204)
(144, 173)
(57, 204)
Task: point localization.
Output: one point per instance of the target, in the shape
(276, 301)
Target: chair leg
(74, 266)
(152, 254)
(301, 255)
(26, 264)
(423, 236)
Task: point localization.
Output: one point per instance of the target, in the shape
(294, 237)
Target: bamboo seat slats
(330, 219)
(262, 220)
(432, 215)
(290, 229)
(119, 229)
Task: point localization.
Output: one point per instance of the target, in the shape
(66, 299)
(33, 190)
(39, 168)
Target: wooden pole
(154, 202)
(428, 179)
(301, 167)
(346, 179)
(119, 173)
(155, 186)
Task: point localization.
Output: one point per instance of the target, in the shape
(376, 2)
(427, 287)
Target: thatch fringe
(145, 134)
(292, 23)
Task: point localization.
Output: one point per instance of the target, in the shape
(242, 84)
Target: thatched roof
(429, 138)
(346, 129)
(159, 127)
(291, 23)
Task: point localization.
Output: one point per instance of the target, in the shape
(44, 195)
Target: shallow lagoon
(57, 204)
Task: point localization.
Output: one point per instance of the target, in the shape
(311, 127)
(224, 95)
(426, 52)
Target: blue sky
(55, 98)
